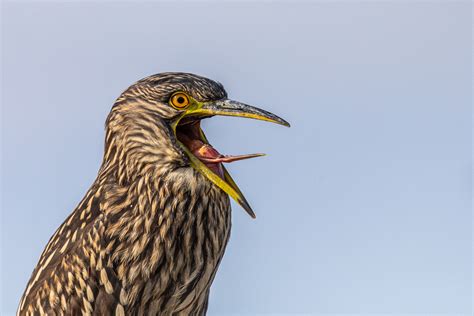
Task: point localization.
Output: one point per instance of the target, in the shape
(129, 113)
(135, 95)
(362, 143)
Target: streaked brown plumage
(148, 236)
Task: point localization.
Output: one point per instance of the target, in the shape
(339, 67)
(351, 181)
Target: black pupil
(180, 100)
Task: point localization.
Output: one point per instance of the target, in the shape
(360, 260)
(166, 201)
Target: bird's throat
(203, 151)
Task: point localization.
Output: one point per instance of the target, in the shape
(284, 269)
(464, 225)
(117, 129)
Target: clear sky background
(363, 205)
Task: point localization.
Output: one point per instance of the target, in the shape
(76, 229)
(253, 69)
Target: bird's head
(156, 123)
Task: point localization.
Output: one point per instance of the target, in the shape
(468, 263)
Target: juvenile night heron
(148, 236)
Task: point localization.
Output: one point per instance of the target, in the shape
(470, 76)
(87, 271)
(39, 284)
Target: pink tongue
(206, 153)
(213, 159)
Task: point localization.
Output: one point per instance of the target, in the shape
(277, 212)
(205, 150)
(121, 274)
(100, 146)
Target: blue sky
(363, 205)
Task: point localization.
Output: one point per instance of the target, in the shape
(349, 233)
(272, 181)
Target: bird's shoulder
(74, 272)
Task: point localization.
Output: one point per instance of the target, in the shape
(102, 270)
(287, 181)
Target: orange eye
(179, 100)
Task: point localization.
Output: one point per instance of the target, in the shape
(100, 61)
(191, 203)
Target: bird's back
(151, 247)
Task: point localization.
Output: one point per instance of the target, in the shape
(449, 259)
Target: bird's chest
(171, 265)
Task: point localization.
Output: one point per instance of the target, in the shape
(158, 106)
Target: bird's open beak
(204, 157)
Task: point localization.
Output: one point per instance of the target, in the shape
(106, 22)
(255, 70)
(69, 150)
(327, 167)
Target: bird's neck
(175, 220)
(139, 146)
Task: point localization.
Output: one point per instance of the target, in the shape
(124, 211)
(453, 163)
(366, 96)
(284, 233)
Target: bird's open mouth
(205, 158)
(189, 133)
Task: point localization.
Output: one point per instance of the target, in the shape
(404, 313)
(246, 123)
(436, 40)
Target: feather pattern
(149, 234)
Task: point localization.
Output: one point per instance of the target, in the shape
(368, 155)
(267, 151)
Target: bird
(150, 233)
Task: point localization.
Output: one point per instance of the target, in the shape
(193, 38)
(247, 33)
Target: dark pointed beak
(234, 108)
